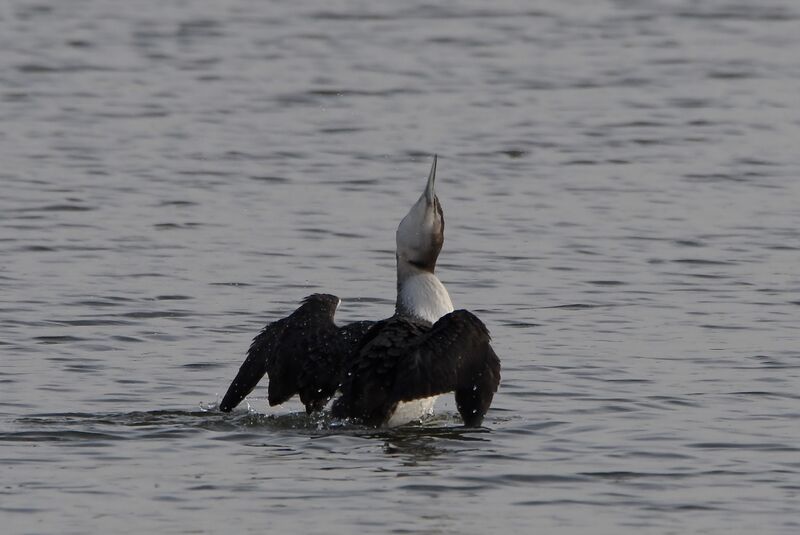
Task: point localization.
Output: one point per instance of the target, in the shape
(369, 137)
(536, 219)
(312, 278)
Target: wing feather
(400, 360)
(454, 356)
(260, 358)
(302, 354)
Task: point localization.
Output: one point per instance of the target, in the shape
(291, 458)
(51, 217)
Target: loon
(389, 372)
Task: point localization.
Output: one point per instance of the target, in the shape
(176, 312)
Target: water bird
(388, 372)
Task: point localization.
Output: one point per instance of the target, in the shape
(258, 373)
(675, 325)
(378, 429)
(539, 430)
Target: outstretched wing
(454, 356)
(302, 354)
(259, 359)
(400, 360)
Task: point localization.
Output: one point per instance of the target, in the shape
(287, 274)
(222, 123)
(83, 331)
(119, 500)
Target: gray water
(620, 182)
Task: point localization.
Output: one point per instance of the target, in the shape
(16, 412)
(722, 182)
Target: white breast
(411, 411)
(424, 296)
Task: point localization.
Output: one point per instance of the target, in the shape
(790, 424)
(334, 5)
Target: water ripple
(620, 189)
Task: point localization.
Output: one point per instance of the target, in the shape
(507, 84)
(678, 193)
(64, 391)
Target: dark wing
(302, 354)
(352, 335)
(261, 352)
(370, 375)
(402, 361)
(454, 356)
(319, 372)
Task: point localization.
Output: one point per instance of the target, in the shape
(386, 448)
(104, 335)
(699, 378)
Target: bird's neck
(420, 294)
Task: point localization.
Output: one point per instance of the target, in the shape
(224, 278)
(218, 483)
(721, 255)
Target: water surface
(620, 185)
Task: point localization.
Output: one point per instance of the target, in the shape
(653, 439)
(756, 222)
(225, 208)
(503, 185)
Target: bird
(387, 372)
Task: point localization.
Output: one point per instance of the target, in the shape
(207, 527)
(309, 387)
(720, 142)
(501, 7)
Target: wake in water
(89, 428)
(322, 420)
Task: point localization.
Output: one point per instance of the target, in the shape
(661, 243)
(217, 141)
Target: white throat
(422, 295)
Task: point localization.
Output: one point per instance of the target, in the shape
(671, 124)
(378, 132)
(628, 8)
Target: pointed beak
(430, 194)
